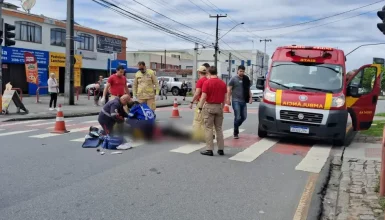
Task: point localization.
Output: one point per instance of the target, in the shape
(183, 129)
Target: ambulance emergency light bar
(308, 48)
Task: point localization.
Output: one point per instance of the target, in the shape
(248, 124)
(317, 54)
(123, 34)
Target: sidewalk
(82, 107)
(352, 191)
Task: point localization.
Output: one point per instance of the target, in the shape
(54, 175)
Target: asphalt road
(53, 177)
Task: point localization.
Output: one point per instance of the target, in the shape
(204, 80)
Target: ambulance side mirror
(261, 83)
(353, 91)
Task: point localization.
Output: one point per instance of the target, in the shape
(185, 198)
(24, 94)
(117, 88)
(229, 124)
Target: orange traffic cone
(175, 111)
(226, 109)
(60, 127)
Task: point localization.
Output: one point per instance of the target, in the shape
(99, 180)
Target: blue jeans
(240, 115)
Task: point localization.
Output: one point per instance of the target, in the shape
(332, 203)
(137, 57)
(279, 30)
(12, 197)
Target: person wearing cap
(146, 86)
(211, 104)
(117, 84)
(53, 90)
(198, 123)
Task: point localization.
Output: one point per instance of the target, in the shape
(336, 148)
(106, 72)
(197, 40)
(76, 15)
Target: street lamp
(232, 29)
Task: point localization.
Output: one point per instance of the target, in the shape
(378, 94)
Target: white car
(257, 94)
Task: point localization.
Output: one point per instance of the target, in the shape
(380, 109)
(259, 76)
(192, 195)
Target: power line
(171, 18)
(154, 25)
(284, 34)
(319, 19)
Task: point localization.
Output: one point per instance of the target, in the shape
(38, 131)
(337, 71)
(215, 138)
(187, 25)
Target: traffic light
(381, 15)
(9, 35)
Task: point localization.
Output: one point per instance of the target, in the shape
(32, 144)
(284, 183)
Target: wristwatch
(191, 102)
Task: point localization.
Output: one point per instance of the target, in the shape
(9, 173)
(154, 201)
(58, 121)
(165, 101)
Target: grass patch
(375, 130)
(382, 114)
(381, 202)
(377, 188)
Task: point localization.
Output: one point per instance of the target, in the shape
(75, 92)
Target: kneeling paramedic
(113, 113)
(142, 119)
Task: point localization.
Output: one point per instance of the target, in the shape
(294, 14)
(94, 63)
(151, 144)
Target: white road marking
(19, 123)
(315, 159)
(93, 121)
(55, 134)
(46, 123)
(254, 151)
(16, 132)
(189, 148)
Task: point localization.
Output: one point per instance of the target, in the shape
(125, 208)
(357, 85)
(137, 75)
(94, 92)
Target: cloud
(343, 33)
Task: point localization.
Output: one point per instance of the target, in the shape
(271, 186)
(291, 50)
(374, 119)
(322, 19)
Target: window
(58, 37)
(27, 31)
(306, 76)
(87, 42)
(365, 80)
(153, 65)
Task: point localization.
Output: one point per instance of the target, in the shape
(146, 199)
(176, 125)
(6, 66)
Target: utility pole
(230, 61)
(165, 63)
(195, 67)
(69, 94)
(217, 37)
(264, 54)
(1, 53)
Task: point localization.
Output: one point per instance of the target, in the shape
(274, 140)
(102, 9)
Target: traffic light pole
(69, 93)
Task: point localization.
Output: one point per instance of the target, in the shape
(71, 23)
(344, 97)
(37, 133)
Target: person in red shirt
(117, 84)
(198, 122)
(211, 103)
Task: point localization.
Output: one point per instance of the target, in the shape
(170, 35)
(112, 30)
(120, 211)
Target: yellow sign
(77, 77)
(59, 59)
(303, 105)
(307, 60)
(55, 70)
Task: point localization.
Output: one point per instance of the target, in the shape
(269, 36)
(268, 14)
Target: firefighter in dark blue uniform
(113, 112)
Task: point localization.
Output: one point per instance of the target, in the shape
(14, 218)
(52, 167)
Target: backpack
(112, 142)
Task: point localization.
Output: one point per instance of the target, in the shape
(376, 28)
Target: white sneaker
(51, 109)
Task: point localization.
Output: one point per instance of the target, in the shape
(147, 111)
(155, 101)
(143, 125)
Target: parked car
(257, 94)
(91, 87)
(173, 84)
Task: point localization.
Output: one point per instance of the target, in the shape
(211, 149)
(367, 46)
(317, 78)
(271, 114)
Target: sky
(277, 20)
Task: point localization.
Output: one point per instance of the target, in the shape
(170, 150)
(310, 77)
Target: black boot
(207, 153)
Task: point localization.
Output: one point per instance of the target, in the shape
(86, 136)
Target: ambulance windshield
(310, 77)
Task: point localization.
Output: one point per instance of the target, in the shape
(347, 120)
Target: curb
(316, 203)
(73, 115)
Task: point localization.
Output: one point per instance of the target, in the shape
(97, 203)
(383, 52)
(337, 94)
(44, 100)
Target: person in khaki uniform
(211, 104)
(146, 87)
(198, 122)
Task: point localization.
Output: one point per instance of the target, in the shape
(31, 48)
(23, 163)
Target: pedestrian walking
(117, 85)
(238, 91)
(163, 88)
(211, 104)
(146, 87)
(184, 88)
(98, 93)
(53, 90)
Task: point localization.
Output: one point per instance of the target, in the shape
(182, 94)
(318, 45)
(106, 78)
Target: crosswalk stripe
(93, 121)
(55, 134)
(19, 123)
(315, 159)
(189, 148)
(46, 123)
(16, 132)
(254, 151)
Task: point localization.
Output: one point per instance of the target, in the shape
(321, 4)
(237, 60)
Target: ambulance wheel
(262, 133)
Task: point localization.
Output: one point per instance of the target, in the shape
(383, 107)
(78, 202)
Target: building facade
(46, 39)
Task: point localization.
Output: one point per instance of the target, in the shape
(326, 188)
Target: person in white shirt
(53, 90)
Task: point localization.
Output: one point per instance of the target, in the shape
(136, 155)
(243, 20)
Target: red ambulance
(308, 94)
